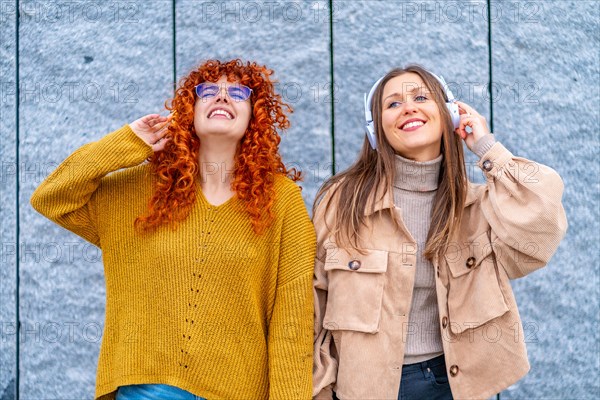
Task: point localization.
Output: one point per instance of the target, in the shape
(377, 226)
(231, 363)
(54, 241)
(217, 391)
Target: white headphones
(370, 128)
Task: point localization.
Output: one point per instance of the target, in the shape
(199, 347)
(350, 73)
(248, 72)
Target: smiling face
(222, 116)
(410, 118)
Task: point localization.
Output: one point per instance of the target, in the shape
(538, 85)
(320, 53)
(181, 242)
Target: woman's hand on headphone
(152, 129)
(471, 118)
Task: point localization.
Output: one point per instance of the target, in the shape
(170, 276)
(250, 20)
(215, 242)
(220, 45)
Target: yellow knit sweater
(210, 307)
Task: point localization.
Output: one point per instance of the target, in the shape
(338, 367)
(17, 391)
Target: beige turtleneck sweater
(415, 186)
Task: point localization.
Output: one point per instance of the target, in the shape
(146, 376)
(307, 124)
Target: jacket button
(444, 322)
(470, 262)
(487, 165)
(354, 265)
(454, 370)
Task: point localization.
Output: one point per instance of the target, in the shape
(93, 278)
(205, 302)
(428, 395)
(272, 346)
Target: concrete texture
(84, 73)
(87, 68)
(546, 108)
(291, 38)
(8, 206)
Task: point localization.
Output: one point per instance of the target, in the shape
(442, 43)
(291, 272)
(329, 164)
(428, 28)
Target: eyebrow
(413, 90)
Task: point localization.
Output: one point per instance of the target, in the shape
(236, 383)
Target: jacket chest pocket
(355, 289)
(474, 295)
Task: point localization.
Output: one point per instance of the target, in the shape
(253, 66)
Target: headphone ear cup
(370, 131)
(454, 114)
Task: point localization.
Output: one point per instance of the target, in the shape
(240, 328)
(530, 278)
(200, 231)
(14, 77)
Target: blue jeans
(425, 380)
(154, 392)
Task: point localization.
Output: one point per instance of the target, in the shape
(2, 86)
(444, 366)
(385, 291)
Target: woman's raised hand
(152, 129)
(471, 118)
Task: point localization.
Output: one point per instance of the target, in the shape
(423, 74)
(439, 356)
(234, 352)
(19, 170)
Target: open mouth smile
(220, 113)
(412, 124)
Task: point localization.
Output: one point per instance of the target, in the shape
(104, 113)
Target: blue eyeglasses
(237, 91)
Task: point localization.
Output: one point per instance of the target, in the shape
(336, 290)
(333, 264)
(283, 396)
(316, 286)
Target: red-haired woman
(208, 249)
(412, 292)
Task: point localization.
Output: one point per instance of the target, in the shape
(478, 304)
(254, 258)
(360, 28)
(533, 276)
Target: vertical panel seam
(490, 86)
(17, 204)
(332, 87)
(174, 44)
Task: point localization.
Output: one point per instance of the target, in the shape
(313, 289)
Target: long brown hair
(257, 161)
(356, 187)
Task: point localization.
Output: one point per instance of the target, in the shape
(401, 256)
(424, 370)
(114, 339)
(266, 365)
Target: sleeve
(290, 328)
(325, 363)
(522, 202)
(66, 195)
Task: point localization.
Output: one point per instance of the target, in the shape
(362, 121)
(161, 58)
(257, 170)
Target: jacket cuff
(494, 159)
(484, 144)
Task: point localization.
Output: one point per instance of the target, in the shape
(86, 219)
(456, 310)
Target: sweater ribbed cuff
(484, 144)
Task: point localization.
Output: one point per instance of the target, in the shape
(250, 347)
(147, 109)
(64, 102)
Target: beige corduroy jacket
(511, 227)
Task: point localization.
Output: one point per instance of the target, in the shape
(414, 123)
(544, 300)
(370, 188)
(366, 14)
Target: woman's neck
(217, 162)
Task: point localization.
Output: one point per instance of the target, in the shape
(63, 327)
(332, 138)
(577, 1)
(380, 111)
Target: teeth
(220, 112)
(413, 124)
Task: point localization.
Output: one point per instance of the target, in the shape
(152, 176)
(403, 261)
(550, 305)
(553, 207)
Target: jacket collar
(381, 201)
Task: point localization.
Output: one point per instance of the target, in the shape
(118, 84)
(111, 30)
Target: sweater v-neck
(204, 201)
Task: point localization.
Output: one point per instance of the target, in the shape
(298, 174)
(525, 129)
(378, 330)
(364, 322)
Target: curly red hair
(257, 161)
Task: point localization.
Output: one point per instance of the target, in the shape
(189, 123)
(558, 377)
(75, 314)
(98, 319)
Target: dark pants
(425, 380)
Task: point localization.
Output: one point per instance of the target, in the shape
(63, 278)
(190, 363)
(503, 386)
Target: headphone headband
(370, 131)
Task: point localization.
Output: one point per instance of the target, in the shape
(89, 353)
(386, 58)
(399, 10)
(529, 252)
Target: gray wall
(83, 68)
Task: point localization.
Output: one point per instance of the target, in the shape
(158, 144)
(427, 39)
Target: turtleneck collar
(418, 176)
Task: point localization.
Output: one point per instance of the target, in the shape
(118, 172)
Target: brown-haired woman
(412, 292)
(208, 249)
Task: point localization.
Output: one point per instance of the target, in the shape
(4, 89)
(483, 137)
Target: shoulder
(288, 196)
(286, 190)
(329, 195)
(326, 206)
(282, 183)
